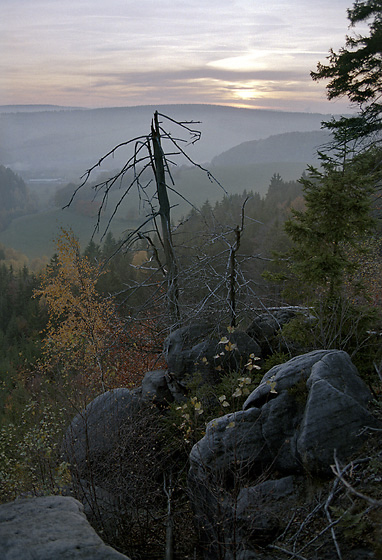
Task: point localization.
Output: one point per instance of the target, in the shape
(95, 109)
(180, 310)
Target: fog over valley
(71, 140)
(50, 148)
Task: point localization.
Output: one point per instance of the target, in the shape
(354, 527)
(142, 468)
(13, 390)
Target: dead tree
(158, 164)
(149, 155)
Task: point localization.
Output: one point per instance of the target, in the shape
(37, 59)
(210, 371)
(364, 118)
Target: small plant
(299, 392)
(275, 359)
(29, 453)
(341, 325)
(207, 402)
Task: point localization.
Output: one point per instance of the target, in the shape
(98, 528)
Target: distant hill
(66, 142)
(33, 108)
(298, 147)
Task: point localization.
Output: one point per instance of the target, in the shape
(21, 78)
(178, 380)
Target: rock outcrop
(291, 425)
(250, 465)
(50, 528)
(116, 458)
(96, 431)
(266, 327)
(198, 349)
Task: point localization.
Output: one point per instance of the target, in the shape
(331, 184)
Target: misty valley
(51, 150)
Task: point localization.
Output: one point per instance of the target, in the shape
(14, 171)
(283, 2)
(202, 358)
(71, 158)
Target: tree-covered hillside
(15, 197)
(297, 147)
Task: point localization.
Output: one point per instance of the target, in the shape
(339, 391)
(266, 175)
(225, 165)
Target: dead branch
(338, 472)
(288, 552)
(331, 523)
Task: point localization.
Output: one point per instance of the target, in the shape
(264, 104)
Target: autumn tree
(85, 337)
(76, 335)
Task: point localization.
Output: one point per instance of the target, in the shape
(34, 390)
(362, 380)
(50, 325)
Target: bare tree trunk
(232, 276)
(169, 552)
(233, 267)
(164, 212)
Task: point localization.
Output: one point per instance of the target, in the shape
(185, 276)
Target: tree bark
(164, 212)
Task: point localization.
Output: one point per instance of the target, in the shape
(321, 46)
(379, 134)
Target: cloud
(190, 49)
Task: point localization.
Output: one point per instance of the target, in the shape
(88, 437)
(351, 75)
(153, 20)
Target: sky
(108, 53)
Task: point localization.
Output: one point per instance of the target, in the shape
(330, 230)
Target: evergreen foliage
(337, 224)
(356, 72)
(339, 198)
(21, 320)
(337, 216)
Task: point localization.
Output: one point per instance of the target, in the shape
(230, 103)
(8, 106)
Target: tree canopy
(356, 72)
(15, 197)
(340, 195)
(337, 216)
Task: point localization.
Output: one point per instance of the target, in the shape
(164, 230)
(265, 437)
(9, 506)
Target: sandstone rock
(198, 349)
(302, 412)
(331, 422)
(50, 528)
(319, 406)
(299, 414)
(95, 431)
(116, 458)
(155, 388)
(265, 327)
(258, 509)
(178, 344)
(285, 376)
(233, 439)
(236, 359)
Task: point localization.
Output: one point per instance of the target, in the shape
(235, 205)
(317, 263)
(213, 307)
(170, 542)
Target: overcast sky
(103, 53)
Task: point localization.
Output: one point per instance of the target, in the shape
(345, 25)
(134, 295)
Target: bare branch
(339, 474)
(288, 552)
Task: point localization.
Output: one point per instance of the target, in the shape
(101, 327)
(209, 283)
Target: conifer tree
(337, 216)
(355, 72)
(339, 196)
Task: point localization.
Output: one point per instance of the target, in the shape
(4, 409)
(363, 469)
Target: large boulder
(301, 413)
(96, 431)
(200, 349)
(156, 387)
(178, 345)
(265, 329)
(116, 455)
(50, 528)
(319, 405)
(258, 509)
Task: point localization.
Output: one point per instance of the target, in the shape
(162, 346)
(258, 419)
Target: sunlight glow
(247, 94)
(246, 62)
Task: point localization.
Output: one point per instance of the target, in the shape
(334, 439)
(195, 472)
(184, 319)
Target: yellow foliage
(81, 322)
(139, 258)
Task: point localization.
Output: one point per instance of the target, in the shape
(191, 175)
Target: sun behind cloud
(252, 61)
